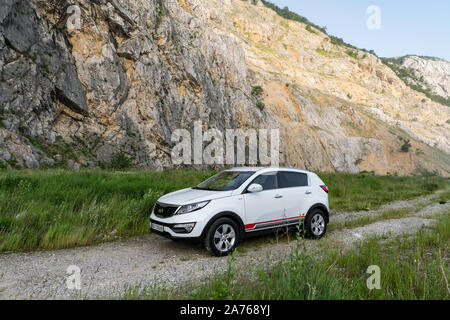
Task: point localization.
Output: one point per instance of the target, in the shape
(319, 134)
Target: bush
(406, 146)
(260, 105)
(310, 29)
(257, 91)
(352, 53)
(120, 161)
(287, 14)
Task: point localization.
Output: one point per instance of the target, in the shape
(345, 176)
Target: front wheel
(222, 237)
(315, 225)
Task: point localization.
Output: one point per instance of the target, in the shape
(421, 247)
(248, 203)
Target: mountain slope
(425, 74)
(138, 70)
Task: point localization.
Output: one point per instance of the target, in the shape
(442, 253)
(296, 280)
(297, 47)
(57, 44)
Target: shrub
(352, 53)
(310, 29)
(120, 161)
(406, 146)
(260, 105)
(287, 14)
(257, 91)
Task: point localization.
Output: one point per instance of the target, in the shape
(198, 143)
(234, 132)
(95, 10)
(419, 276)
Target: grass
(354, 192)
(444, 197)
(415, 268)
(324, 53)
(364, 220)
(53, 209)
(411, 269)
(59, 209)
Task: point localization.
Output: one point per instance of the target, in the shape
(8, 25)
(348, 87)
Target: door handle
(278, 196)
(308, 192)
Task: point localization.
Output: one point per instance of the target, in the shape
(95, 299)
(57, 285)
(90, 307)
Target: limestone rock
(136, 71)
(434, 72)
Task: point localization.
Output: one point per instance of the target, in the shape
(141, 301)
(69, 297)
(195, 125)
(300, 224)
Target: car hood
(189, 195)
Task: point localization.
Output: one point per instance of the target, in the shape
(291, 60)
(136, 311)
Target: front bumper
(170, 233)
(200, 218)
(177, 228)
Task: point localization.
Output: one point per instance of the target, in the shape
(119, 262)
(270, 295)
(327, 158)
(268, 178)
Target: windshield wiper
(205, 189)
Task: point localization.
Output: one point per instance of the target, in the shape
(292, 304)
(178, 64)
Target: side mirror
(255, 188)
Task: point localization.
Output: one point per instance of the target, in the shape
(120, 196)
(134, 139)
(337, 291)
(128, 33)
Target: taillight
(324, 188)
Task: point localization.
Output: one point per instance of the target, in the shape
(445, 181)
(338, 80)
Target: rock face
(435, 73)
(428, 75)
(132, 72)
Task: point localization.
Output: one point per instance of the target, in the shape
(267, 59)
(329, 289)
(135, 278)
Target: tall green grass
(411, 269)
(352, 192)
(59, 209)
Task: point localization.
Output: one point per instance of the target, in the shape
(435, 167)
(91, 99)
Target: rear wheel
(222, 237)
(315, 225)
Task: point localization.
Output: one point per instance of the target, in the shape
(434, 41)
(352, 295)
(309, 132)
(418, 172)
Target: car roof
(265, 169)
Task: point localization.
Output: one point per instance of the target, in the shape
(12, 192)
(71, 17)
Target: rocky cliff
(426, 74)
(126, 74)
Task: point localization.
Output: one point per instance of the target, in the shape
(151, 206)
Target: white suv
(239, 202)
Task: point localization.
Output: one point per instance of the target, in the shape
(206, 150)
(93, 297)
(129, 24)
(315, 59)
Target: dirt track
(109, 267)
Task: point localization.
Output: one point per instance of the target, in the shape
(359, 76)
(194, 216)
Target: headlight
(192, 207)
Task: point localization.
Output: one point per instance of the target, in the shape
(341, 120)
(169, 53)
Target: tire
(315, 225)
(222, 237)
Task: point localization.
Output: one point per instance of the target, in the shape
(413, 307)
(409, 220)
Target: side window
(292, 179)
(267, 181)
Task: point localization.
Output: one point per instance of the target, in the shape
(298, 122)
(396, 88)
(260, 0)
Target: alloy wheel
(224, 237)
(317, 224)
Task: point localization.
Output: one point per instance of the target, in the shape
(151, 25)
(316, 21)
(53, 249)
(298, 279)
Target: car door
(263, 209)
(296, 190)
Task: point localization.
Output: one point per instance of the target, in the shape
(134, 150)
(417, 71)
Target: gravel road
(108, 268)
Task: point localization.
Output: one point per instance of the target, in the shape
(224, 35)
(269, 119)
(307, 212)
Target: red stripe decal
(253, 225)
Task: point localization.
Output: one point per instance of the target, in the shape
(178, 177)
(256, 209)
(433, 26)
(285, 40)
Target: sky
(420, 27)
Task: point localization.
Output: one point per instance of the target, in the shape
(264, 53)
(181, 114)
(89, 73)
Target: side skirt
(270, 226)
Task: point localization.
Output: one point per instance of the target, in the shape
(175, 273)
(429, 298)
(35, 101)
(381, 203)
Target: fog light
(186, 226)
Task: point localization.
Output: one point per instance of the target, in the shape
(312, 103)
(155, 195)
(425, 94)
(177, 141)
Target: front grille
(164, 210)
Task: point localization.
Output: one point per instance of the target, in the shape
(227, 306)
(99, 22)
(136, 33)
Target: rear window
(292, 179)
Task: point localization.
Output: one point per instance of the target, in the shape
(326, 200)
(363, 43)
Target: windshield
(225, 181)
